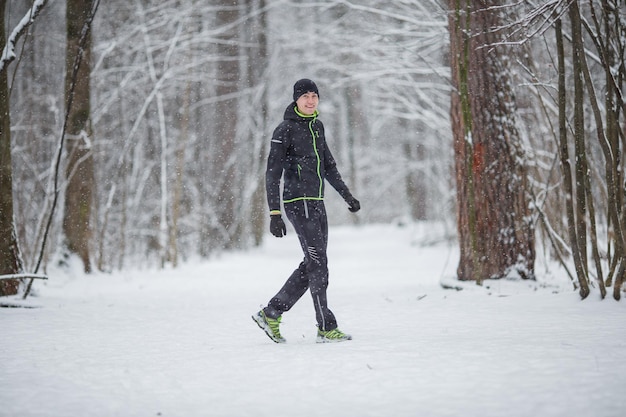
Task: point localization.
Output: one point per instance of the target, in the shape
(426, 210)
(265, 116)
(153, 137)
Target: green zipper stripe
(319, 161)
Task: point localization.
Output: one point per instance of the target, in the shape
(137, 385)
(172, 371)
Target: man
(299, 152)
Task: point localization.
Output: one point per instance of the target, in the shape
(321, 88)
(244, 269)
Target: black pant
(308, 218)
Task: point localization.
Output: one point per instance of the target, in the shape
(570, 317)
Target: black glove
(353, 204)
(277, 225)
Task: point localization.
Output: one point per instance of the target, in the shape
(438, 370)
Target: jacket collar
(293, 113)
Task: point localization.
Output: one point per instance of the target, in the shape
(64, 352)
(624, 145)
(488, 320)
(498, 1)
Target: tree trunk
(80, 165)
(357, 127)
(178, 187)
(257, 64)
(224, 162)
(416, 181)
(566, 165)
(496, 236)
(612, 156)
(10, 259)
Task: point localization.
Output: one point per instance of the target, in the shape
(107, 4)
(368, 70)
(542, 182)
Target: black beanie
(304, 86)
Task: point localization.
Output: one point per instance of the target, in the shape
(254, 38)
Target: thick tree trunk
(80, 166)
(10, 259)
(496, 235)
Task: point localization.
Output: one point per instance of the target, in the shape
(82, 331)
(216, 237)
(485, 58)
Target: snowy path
(182, 343)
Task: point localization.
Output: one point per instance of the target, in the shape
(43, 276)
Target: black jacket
(299, 149)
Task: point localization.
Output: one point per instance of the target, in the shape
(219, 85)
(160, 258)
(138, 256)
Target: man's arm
(275, 164)
(334, 179)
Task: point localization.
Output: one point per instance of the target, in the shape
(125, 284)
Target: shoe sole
(326, 340)
(263, 326)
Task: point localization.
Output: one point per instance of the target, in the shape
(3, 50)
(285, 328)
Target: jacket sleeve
(333, 176)
(275, 165)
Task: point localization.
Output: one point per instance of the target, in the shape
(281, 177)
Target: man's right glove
(277, 225)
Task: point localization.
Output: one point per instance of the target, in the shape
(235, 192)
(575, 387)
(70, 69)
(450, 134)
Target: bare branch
(8, 53)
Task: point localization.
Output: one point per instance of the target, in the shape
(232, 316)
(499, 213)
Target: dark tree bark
(583, 80)
(566, 166)
(10, 254)
(496, 235)
(80, 164)
(10, 259)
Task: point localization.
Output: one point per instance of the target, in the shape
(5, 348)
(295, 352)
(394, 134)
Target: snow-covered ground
(182, 343)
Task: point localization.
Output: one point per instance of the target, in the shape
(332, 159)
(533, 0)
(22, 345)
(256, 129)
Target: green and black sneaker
(269, 326)
(330, 336)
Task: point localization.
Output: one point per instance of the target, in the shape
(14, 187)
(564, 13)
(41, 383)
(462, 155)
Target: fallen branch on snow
(22, 276)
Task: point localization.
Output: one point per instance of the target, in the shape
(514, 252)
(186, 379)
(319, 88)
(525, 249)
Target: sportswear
(270, 326)
(299, 148)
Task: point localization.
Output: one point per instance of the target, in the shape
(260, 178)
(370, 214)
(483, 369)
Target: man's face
(307, 103)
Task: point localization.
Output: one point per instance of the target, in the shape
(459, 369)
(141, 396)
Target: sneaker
(269, 326)
(330, 336)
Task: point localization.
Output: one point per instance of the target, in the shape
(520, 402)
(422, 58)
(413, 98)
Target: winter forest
(135, 133)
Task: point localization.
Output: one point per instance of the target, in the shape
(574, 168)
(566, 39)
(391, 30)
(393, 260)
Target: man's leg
(309, 221)
(318, 267)
(313, 234)
(297, 284)
(293, 289)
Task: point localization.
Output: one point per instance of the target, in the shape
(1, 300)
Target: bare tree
(158, 167)
(10, 260)
(584, 82)
(257, 61)
(224, 163)
(80, 162)
(10, 257)
(496, 235)
(587, 58)
(570, 191)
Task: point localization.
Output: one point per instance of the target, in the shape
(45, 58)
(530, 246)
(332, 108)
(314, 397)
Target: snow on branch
(22, 276)
(542, 16)
(8, 53)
